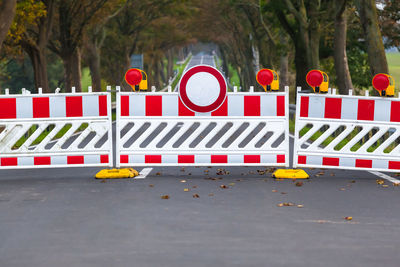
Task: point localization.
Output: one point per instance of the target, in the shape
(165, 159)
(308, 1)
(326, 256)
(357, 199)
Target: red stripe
(8, 108)
(333, 108)
(222, 110)
(153, 105)
(366, 110)
(9, 161)
(252, 105)
(75, 160)
(252, 158)
(302, 160)
(395, 111)
(183, 110)
(124, 105)
(394, 165)
(280, 158)
(102, 105)
(152, 159)
(41, 160)
(124, 159)
(185, 158)
(280, 105)
(41, 107)
(104, 159)
(74, 106)
(363, 163)
(304, 102)
(219, 158)
(330, 161)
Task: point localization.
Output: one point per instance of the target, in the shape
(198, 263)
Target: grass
(180, 72)
(394, 67)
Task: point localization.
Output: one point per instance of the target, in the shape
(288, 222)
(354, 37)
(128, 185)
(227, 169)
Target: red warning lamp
(268, 79)
(314, 79)
(133, 77)
(381, 83)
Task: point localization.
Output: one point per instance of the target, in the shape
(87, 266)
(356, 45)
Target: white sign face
(202, 89)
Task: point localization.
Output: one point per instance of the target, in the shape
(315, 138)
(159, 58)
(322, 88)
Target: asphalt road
(64, 217)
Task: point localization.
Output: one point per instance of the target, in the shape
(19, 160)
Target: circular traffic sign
(133, 77)
(314, 78)
(380, 82)
(202, 88)
(265, 77)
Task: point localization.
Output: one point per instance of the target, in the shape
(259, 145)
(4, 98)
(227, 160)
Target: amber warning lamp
(384, 84)
(137, 79)
(318, 80)
(268, 79)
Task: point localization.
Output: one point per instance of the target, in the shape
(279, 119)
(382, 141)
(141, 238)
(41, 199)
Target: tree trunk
(170, 64)
(300, 62)
(7, 13)
(373, 37)
(93, 60)
(343, 78)
(39, 64)
(72, 70)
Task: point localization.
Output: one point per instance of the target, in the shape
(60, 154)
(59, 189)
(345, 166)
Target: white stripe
(386, 177)
(143, 173)
(90, 105)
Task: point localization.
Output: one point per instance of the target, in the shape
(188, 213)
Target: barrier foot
(117, 173)
(290, 174)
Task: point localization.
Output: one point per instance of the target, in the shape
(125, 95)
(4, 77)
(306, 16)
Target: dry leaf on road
(165, 197)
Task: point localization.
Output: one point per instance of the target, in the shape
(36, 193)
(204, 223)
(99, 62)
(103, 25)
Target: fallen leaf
(353, 181)
(189, 173)
(196, 196)
(380, 181)
(385, 185)
(195, 186)
(206, 170)
(165, 197)
(300, 206)
(158, 173)
(348, 218)
(182, 169)
(232, 184)
(183, 181)
(274, 191)
(332, 174)
(223, 186)
(396, 184)
(299, 184)
(342, 189)
(103, 181)
(285, 204)
(186, 189)
(211, 194)
(151, 185)
(238, 180)
(283, 193)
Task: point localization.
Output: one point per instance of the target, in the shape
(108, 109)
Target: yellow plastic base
(116, 173)
(290, 174)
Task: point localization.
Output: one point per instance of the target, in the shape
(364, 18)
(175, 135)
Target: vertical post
(366, 93)
(90, 89)
(334, 91)
(350, 91)
(73, 90)
(153, 88)
(7, 91)
(117, 125)
(40, 90)
(287, 115)
(296, 131)
(251, 89)
(169, 88)
(235, 89)
(110, 131)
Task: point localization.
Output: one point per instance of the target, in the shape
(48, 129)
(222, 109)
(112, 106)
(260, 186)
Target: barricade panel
(55, 130)
(246, 129)
(347, 132)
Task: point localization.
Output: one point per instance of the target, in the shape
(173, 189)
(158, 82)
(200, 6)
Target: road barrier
(55, 130)
(157, 128)
(347, 132)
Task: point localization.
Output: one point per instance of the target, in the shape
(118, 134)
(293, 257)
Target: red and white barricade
(347, 132)
(243, 129)
(55, 130)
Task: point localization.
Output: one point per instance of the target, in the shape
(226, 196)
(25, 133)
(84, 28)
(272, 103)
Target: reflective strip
(349, 107)
(170, 105)
(90, 105)
(268, 105)
(235, 105)
(57, 107)
(24, 108)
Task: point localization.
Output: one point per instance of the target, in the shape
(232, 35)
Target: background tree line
(56, 38)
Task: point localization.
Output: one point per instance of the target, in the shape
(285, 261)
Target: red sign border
(222, 85)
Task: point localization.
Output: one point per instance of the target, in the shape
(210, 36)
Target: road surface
(64, 217)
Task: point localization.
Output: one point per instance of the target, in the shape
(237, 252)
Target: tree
(7, 12)
(373, 37)
(72, 18)
(343, 78)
